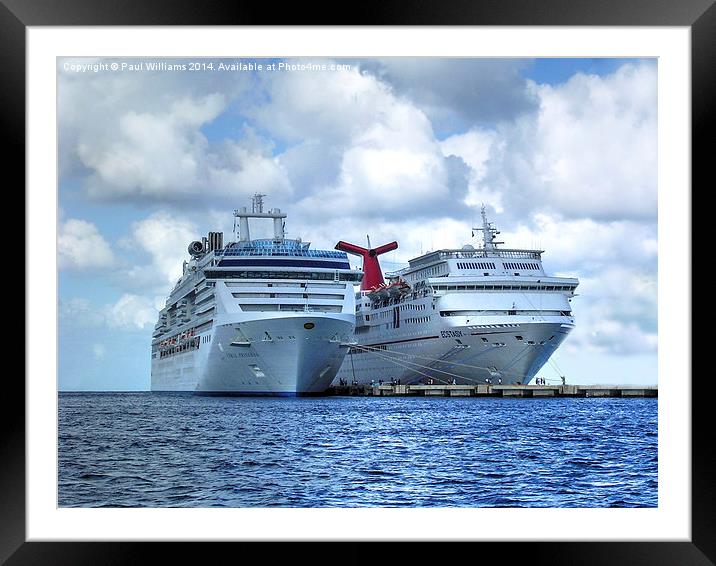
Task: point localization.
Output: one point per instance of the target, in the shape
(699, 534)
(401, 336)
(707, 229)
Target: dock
(491, 390)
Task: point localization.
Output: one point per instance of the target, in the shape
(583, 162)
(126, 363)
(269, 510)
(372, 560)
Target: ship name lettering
(451, 333)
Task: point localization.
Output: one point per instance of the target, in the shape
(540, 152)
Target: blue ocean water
(181, 450)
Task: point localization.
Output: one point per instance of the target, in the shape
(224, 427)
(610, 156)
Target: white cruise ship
(464, 316)
(255, 317)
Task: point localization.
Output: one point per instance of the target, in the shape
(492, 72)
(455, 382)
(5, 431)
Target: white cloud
(473, 147)
(131, 312)
(329, 107)
(380, 149)
(99, 351)
(80, 313)
(454, 91)
(586, 244)
(163, 238)
(589, 151)
(140, 137)
(239, 169)
(152, 154)
(616, 312)
(615, 262)
(81, 246)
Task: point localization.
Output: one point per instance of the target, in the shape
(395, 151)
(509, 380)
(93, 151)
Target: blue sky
(561, 151)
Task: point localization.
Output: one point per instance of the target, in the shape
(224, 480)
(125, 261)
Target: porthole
(308, 325)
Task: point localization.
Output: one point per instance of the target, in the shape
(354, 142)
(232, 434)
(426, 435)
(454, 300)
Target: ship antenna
(488, 232)
(257, 202)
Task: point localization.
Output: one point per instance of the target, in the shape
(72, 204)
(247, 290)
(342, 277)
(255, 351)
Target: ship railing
(279, 252)
(471, 254)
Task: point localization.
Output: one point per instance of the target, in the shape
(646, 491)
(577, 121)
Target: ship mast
(488, 232)
(257, 211)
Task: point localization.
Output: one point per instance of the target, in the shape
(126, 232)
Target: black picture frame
(17, 15)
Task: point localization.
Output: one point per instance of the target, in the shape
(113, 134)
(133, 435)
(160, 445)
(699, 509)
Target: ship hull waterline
(460, 355)
(284, 356)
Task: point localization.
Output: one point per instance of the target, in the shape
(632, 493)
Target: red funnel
(372, 275)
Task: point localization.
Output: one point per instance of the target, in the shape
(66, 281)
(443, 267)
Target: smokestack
(372, 275)
(216, 241)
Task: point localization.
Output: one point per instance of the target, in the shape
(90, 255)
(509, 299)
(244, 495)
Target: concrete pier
(490, 390)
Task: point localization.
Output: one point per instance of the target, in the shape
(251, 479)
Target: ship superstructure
(464, 316)
(256, 316)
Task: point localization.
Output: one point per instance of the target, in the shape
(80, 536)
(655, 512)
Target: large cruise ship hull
(287, 356)
(472, 354)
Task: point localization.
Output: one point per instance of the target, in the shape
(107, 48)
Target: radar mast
(488, 232)
(257, 211)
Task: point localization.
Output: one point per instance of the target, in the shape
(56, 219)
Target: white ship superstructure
(255, 317)
(465, 316)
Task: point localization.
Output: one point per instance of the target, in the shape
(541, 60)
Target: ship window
(519, 338)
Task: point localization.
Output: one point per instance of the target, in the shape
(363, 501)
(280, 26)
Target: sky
(562, 152)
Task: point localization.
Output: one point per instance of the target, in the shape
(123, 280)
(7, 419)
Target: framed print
(182, 125)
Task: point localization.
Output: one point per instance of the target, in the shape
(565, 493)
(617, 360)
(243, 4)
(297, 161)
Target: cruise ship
(463, 316)
(255, 316)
